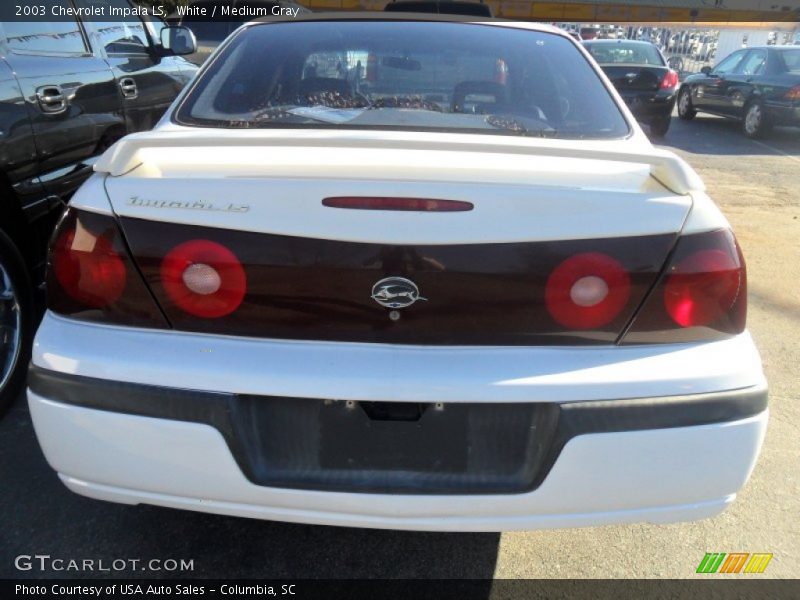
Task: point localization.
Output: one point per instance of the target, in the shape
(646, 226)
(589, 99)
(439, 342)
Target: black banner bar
(727, 587)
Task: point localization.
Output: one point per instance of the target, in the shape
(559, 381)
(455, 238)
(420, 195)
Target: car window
(48, 37)
(405, 75)
(639, 54)
(729, 64)
(791, 60)
(754, 63)
(125, 37)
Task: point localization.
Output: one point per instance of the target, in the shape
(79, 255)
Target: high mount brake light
(701, 295)
(204, 279)
(670, 80)
(400, 204)
(587, 290)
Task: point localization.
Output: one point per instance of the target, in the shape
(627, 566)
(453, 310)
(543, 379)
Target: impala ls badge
(396, 292)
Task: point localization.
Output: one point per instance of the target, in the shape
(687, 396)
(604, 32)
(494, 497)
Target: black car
(642, 77)
(68, 91)
(759, 86)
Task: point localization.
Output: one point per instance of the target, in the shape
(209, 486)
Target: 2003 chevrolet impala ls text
(413, 274)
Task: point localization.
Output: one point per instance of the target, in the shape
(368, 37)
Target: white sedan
(412, 274)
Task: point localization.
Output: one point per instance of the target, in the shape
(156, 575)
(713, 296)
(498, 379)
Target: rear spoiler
(668, 169)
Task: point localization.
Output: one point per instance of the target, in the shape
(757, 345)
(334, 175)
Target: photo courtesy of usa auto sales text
(135, 589)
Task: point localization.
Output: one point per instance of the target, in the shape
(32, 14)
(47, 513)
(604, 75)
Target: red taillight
(587, 291)
(204, 278)
(400, 204)
(793, 94)
(702, 288)
(670, 80)
(87, 267)
(91, 276)
(702, 295)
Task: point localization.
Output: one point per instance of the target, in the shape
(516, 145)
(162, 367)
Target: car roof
(403, 16)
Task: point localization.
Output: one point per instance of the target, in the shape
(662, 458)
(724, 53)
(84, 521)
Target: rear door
(146, 83)
(70, 97)
(743, 81)
(712, 91)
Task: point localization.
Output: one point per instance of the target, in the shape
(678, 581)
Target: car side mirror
(177, 40)
(706, 70)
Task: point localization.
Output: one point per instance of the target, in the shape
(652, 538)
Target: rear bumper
(658, 476)
(641, 434)
(647, 105)
(786, 115)
(454, 448)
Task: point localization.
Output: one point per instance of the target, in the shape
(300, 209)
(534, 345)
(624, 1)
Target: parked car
(642, 77)
(413, 290)
(210, 30)
(759, 86)
(68, 91)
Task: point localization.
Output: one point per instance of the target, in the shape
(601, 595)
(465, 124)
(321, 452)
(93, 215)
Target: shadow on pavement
(707, 134)
(40, 516)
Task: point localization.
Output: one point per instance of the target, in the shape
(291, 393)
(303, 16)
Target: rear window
(620, 52)
(453, 77)
(791, 60)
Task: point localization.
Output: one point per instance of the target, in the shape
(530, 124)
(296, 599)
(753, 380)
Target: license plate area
(384, 436)
(374, 447)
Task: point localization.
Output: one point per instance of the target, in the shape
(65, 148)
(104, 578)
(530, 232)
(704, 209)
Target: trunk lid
(635, 78)
(481, 275)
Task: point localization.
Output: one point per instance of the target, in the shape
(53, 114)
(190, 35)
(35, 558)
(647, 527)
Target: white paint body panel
(263, 181)
(598, 479)
(398, 373)
(523, 189)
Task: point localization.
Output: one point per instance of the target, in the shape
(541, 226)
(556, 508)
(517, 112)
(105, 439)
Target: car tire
(686, 110)
(17, 320)
(660, 125)
(755, 123)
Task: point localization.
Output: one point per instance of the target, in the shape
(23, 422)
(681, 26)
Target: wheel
(755, 123)
(686, 109)
(16, 322)
(660, 125)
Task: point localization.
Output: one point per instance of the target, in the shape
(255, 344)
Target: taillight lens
(793, 94)
(91, 276)
(587, 290)
(87, 266)
(702, 287)
(670, 80)
(701, 295)
(204, 279)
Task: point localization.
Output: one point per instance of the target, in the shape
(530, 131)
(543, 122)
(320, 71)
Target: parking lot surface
(757, 184)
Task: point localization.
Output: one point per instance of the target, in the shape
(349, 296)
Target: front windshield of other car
(422, 76)
(630, 53)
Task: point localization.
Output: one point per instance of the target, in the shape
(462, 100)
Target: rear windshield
(620, 52)
(791, 60)
(422, 76)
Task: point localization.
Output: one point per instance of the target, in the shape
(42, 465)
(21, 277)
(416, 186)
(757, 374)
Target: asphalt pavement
(756, 183)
